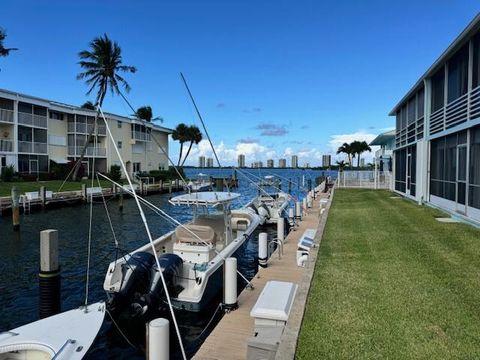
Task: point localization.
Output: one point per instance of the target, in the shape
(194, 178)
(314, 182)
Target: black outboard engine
(150, 300)
(135, 279)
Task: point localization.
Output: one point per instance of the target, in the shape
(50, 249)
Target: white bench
(94, 190)
(271, 313)
(305, 243)
(32, 195)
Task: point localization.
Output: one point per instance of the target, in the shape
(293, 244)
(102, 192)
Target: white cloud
(337, 140)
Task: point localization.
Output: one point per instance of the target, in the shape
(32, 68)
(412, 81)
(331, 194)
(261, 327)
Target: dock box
(304, 245)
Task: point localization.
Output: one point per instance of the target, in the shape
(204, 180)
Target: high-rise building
(282, 163)
(326, 160)
(209, 162)
(241, 161)
(201, 161)
(306, 165)
(270, 163)
(294, 161)
(362, 162)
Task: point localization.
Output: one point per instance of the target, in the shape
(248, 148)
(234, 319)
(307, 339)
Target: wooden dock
(229, 338)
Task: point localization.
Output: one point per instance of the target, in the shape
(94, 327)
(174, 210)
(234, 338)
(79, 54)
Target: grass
(392, 282)
(53, 185)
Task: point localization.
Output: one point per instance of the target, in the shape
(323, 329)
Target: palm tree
(194, 136)
(146, 113)
(346, 149)
(341, 165)
(102, 64)
(180, 133)
(3, 50)
(88, 105)
(359, 147)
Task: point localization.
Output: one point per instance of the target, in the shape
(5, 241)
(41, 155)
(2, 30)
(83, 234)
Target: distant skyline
(271, 78)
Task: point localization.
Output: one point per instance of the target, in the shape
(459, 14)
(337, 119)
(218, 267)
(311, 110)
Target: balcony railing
(383, 153)
(85, 129)
(6, 145)
(6, 115)
(32, 120)
(32, 147)
(90, 151)
(141, 136)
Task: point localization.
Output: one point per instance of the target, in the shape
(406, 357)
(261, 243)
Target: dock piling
(43, 194)
(120, 200)
(298, 210)
(281, 229)
(262, 249)
(49, 275)
(158, 339)
(15, 209)
(230, 286)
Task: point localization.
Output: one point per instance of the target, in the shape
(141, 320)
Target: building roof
(383, 138)
(58, 106)
(461, 39)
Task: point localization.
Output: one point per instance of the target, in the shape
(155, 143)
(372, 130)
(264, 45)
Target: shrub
(115, 173)
(7, 173)
(164, 175)
(58, 171)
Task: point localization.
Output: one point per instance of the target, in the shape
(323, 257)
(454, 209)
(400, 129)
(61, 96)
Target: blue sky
(271, 78)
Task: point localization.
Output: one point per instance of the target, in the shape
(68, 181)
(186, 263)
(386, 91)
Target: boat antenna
(147, 228)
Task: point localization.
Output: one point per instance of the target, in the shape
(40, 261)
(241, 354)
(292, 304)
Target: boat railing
(279, 244)
(64, 346)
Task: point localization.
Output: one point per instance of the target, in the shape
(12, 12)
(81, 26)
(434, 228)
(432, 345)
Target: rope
(120, 330)
(219, 307)
(108, 215)
(150, 238)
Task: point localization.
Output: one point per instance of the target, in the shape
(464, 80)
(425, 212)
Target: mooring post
(43, 196)
(84, 192)
(170, 186)
(160, 185)
(158, 339)
(298, 210)
(230, 285)
(309, 182)
(290, 185)
(291, 214)
(120, 199)
(15, 209)
(49, 276)
(262, 249)
(281, 229)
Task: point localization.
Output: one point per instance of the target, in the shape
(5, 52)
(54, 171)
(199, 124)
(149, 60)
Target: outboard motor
(171, 267)
(264, 212)
(136, 274)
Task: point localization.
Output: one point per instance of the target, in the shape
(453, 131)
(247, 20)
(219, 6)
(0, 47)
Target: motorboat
(67, 335)
(191, 257)
(271, 202)
(201, 183)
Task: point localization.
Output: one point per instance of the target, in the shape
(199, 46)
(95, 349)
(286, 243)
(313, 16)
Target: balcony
(89, 152)
(32, 147)
(85, 129)
(383, 153)
(6, 115)
(32, 120)
(140, 136)
(6, 145)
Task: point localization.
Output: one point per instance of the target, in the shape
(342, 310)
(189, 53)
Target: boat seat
(205, 233)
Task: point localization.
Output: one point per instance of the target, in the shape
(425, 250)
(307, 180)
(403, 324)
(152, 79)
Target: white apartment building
(35, 131)
(270, 163)
(294, 161)
(326, 160)
(282, 163)
(201, 161)
(209, 162)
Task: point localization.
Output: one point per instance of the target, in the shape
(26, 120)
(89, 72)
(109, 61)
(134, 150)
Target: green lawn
(391, 282)
(53, 185)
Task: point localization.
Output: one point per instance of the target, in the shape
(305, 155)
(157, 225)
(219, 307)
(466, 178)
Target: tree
(88, 105)
(146, 113)
(346, 149)
(341, 165)
(180, 133)
(3, 50)
(194, 135)
(102, 64)
(359, 147)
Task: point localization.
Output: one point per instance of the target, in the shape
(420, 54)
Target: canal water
(19, 261)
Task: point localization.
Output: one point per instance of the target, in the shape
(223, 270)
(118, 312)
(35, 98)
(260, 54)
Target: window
(476, 60)
(420, 103)
(57, 140)
(6, 104)
(24, 107)
(438, 90)
(403, 116)
(137, 148)
(119, 144)
(55, 115)
(458, 74)
(411, 116)
(40, 110)
(119, 124)
(137, 167)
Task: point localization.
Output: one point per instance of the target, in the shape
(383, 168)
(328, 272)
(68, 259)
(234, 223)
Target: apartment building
(326, 161)
(35, 131)
(270, 163)
(282, 163)
(241, 161)
(201, 161)
(437, 137)
(209, 162)
(294, 161)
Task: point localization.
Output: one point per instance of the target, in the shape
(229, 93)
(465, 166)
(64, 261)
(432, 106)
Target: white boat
(271, 202)
(201, 183)
(191, 257)
(67, 335)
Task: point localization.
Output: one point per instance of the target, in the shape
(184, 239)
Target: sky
(271, 78)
